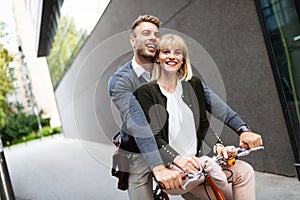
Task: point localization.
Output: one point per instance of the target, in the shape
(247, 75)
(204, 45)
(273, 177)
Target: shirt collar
(140, 71)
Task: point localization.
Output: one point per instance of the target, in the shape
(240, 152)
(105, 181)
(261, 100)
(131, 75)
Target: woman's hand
(187, 164)
(226, 152)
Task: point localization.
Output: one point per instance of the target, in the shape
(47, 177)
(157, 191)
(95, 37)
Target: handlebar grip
(231, 161)
(183, 175)
(161, 186)
(244, 146)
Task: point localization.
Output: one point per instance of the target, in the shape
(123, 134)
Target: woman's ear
(157, 57)
(157, 60)
(183, 61)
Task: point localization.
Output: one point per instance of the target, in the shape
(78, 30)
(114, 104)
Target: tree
(3, 33)
(14, 126)
(67, 42)
(5, 79)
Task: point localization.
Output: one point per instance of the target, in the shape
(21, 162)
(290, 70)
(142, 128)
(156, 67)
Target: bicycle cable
(231, 173)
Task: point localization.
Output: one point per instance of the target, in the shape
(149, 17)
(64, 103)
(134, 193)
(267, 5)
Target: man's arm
(219, 109)
(120, 89)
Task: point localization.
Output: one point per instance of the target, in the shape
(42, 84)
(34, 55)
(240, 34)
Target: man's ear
(132, 41)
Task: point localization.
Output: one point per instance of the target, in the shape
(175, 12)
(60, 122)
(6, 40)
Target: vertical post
(6, 190)
(36, 112)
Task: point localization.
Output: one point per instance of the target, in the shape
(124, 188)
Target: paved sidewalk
(57, 168)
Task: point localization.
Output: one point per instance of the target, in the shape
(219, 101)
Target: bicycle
(208, 180)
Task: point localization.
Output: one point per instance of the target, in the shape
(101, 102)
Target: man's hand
(250, 140)
(171, 179)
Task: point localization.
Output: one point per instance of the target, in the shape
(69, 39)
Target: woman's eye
(178, 52)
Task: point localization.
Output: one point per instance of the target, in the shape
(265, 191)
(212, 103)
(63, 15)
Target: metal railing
(6, 189)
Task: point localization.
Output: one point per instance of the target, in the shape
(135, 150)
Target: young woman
(172, 103)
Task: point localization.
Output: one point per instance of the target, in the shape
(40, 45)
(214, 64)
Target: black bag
(120, 164)
(120, 167)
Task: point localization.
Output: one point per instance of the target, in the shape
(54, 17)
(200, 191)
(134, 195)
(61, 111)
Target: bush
(47, 131)
(21, 128)
(17, 127)
(56, 130)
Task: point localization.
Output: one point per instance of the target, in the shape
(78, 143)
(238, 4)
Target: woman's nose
(172, 55)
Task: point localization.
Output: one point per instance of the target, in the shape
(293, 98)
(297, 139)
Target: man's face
(145, 41)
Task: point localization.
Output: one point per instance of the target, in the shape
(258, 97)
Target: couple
(163, 120)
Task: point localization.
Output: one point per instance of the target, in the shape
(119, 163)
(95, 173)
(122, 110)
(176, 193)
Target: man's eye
(146, 33)
(157, 35)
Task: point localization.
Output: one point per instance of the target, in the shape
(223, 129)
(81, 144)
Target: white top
(140, 71)
(182, 131)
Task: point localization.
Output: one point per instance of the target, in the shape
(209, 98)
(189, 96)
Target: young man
(136, 134)
(144, 39)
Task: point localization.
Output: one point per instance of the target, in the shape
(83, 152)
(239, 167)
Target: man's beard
(143, 55)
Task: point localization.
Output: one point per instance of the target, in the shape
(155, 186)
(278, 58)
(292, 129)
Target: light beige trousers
(240, 184)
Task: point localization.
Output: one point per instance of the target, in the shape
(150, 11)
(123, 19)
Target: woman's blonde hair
(171, 40)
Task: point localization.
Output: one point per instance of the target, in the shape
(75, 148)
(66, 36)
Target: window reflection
(283, 26)
(78, 19)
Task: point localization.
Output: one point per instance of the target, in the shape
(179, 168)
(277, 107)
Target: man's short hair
(144, 18)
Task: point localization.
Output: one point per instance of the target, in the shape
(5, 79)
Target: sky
(86, 14)
(7, 16)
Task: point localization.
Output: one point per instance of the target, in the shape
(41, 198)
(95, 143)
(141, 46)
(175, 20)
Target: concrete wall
(231, 36)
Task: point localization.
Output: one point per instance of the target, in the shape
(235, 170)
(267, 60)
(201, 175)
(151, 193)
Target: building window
(281, 27)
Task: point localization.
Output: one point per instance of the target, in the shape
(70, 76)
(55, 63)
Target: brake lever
(241, 152)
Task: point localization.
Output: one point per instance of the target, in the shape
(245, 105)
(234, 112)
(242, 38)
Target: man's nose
(152, 36)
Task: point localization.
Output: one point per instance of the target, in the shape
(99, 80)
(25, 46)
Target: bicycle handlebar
(241, 153)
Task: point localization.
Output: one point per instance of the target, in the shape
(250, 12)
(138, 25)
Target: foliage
(21, 127)
(18, 126)
(5, 79)
(47, 131)
(56, 130)
(3, 33)
(67, 42)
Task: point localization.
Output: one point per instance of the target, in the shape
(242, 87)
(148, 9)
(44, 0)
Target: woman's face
(170, 59)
